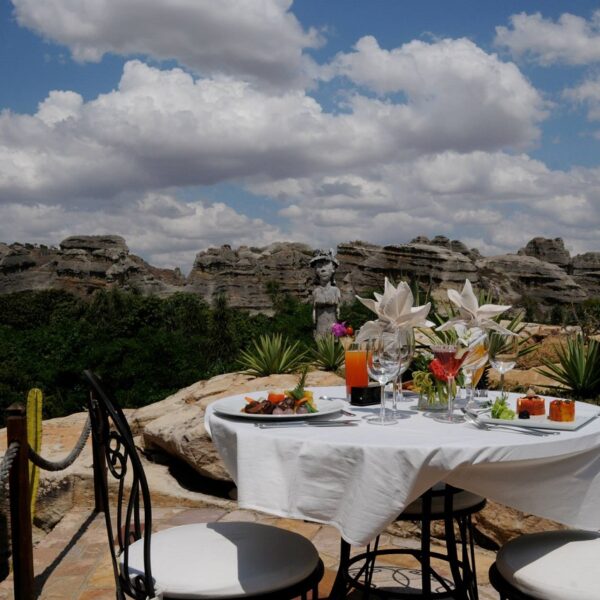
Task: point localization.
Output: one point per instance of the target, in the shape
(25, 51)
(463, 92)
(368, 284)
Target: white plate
(233, 406)
(544, 423)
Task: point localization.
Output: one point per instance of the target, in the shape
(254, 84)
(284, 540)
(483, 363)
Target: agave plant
(329, 353)
(577, 372)
(271, 355)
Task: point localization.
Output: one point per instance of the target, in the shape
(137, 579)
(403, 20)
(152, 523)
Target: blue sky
(190, 124)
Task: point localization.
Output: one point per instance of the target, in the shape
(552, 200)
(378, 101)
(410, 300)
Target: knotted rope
(7, 461)
(60, 465)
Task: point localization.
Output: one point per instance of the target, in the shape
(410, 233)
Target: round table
(359, 479)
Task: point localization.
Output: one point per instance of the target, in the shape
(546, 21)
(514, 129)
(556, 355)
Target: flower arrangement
(340, 330)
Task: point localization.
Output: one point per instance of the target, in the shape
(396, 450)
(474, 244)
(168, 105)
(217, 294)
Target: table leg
(338, 591)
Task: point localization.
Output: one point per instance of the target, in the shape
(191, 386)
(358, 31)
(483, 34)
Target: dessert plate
(545, 423)
(232, 407)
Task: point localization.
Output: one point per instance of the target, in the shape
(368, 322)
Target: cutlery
(543, 430)
(345, 423)
(514, 429)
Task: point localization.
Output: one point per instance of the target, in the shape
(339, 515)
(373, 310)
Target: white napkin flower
(394, 310)
(471, 314)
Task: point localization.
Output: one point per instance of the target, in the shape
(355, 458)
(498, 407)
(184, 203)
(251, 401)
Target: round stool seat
(224, 560)
(462, 502)
(553, 565)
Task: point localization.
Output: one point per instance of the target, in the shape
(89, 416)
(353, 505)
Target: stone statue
(326, 295)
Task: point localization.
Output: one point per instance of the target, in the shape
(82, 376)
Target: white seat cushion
(224, 560)
(554, 565)
(461, 501)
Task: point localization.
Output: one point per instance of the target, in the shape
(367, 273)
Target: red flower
(438, 371)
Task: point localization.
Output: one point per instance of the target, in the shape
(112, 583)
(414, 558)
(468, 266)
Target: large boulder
(249, 276)
(176, 424)
(548, 250)
(81, 265)
(363, 266)
(586, 272)
(514, 277)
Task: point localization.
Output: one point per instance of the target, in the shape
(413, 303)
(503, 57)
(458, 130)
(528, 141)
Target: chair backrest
(114, 448)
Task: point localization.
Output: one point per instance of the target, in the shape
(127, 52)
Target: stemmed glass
(473, 366)
(383, 364)
(504, 351)
(406, 344)
(450, 358)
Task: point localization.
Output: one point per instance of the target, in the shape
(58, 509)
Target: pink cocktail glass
(450, 358)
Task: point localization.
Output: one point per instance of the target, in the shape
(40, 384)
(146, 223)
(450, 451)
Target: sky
(185, 124)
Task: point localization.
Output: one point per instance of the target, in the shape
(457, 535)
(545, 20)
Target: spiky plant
(577, 372)
(271, 355)
(329, 353)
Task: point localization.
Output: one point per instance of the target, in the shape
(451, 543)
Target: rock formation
(543, 271)
(547, 250)
(81, 265)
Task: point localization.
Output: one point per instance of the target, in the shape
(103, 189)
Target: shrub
(578, 370)
(273, 354)
(328, 354)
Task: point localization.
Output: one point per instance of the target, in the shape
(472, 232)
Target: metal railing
(14, 469)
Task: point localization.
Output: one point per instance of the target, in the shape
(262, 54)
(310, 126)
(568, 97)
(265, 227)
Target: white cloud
(256, 39)
(163, 128)
(587, 93)
(571, 39)
(454, 91)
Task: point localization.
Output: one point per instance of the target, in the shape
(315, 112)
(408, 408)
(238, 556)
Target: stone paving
(73, 561)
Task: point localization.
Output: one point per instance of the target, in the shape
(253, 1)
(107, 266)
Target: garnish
(500, 409)
(296, 401)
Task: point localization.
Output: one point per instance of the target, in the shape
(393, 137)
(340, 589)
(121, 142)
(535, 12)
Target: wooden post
(98, 455)
(20, 514)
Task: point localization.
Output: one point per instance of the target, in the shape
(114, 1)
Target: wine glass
(450, 358)
(472, 367)
(406, 343)
(383, 364)
(504, 350)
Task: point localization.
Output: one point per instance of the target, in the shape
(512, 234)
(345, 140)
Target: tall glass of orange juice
(356, 367)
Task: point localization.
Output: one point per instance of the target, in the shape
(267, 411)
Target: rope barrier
(60, 465)
(7, 461)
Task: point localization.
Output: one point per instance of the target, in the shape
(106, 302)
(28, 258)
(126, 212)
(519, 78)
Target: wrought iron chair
(200, 560)
(441, 503)
(552, 565)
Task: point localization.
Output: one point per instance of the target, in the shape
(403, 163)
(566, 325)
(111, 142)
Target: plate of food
(530, 411)
(298, 403)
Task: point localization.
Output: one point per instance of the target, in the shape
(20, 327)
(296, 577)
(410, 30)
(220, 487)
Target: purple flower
(339, 329)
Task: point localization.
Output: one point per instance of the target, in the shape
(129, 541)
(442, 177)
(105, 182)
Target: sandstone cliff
(542, 271)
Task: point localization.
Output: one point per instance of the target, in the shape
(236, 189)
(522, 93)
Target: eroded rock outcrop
(542, 271)
(548, 250)
(81, 265)
(513, 277)
(248, 276)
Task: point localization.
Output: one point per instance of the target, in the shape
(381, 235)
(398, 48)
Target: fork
(471, 419)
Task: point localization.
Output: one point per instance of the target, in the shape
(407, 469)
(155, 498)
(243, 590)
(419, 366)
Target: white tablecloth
(360, 478)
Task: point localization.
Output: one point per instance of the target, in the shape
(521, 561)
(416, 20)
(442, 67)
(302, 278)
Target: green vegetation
(329, 353)
(272, 354)
(577, 372)
(145, 348)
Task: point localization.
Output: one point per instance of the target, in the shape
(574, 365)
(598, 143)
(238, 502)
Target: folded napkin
(394, 310)
(471, 315)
